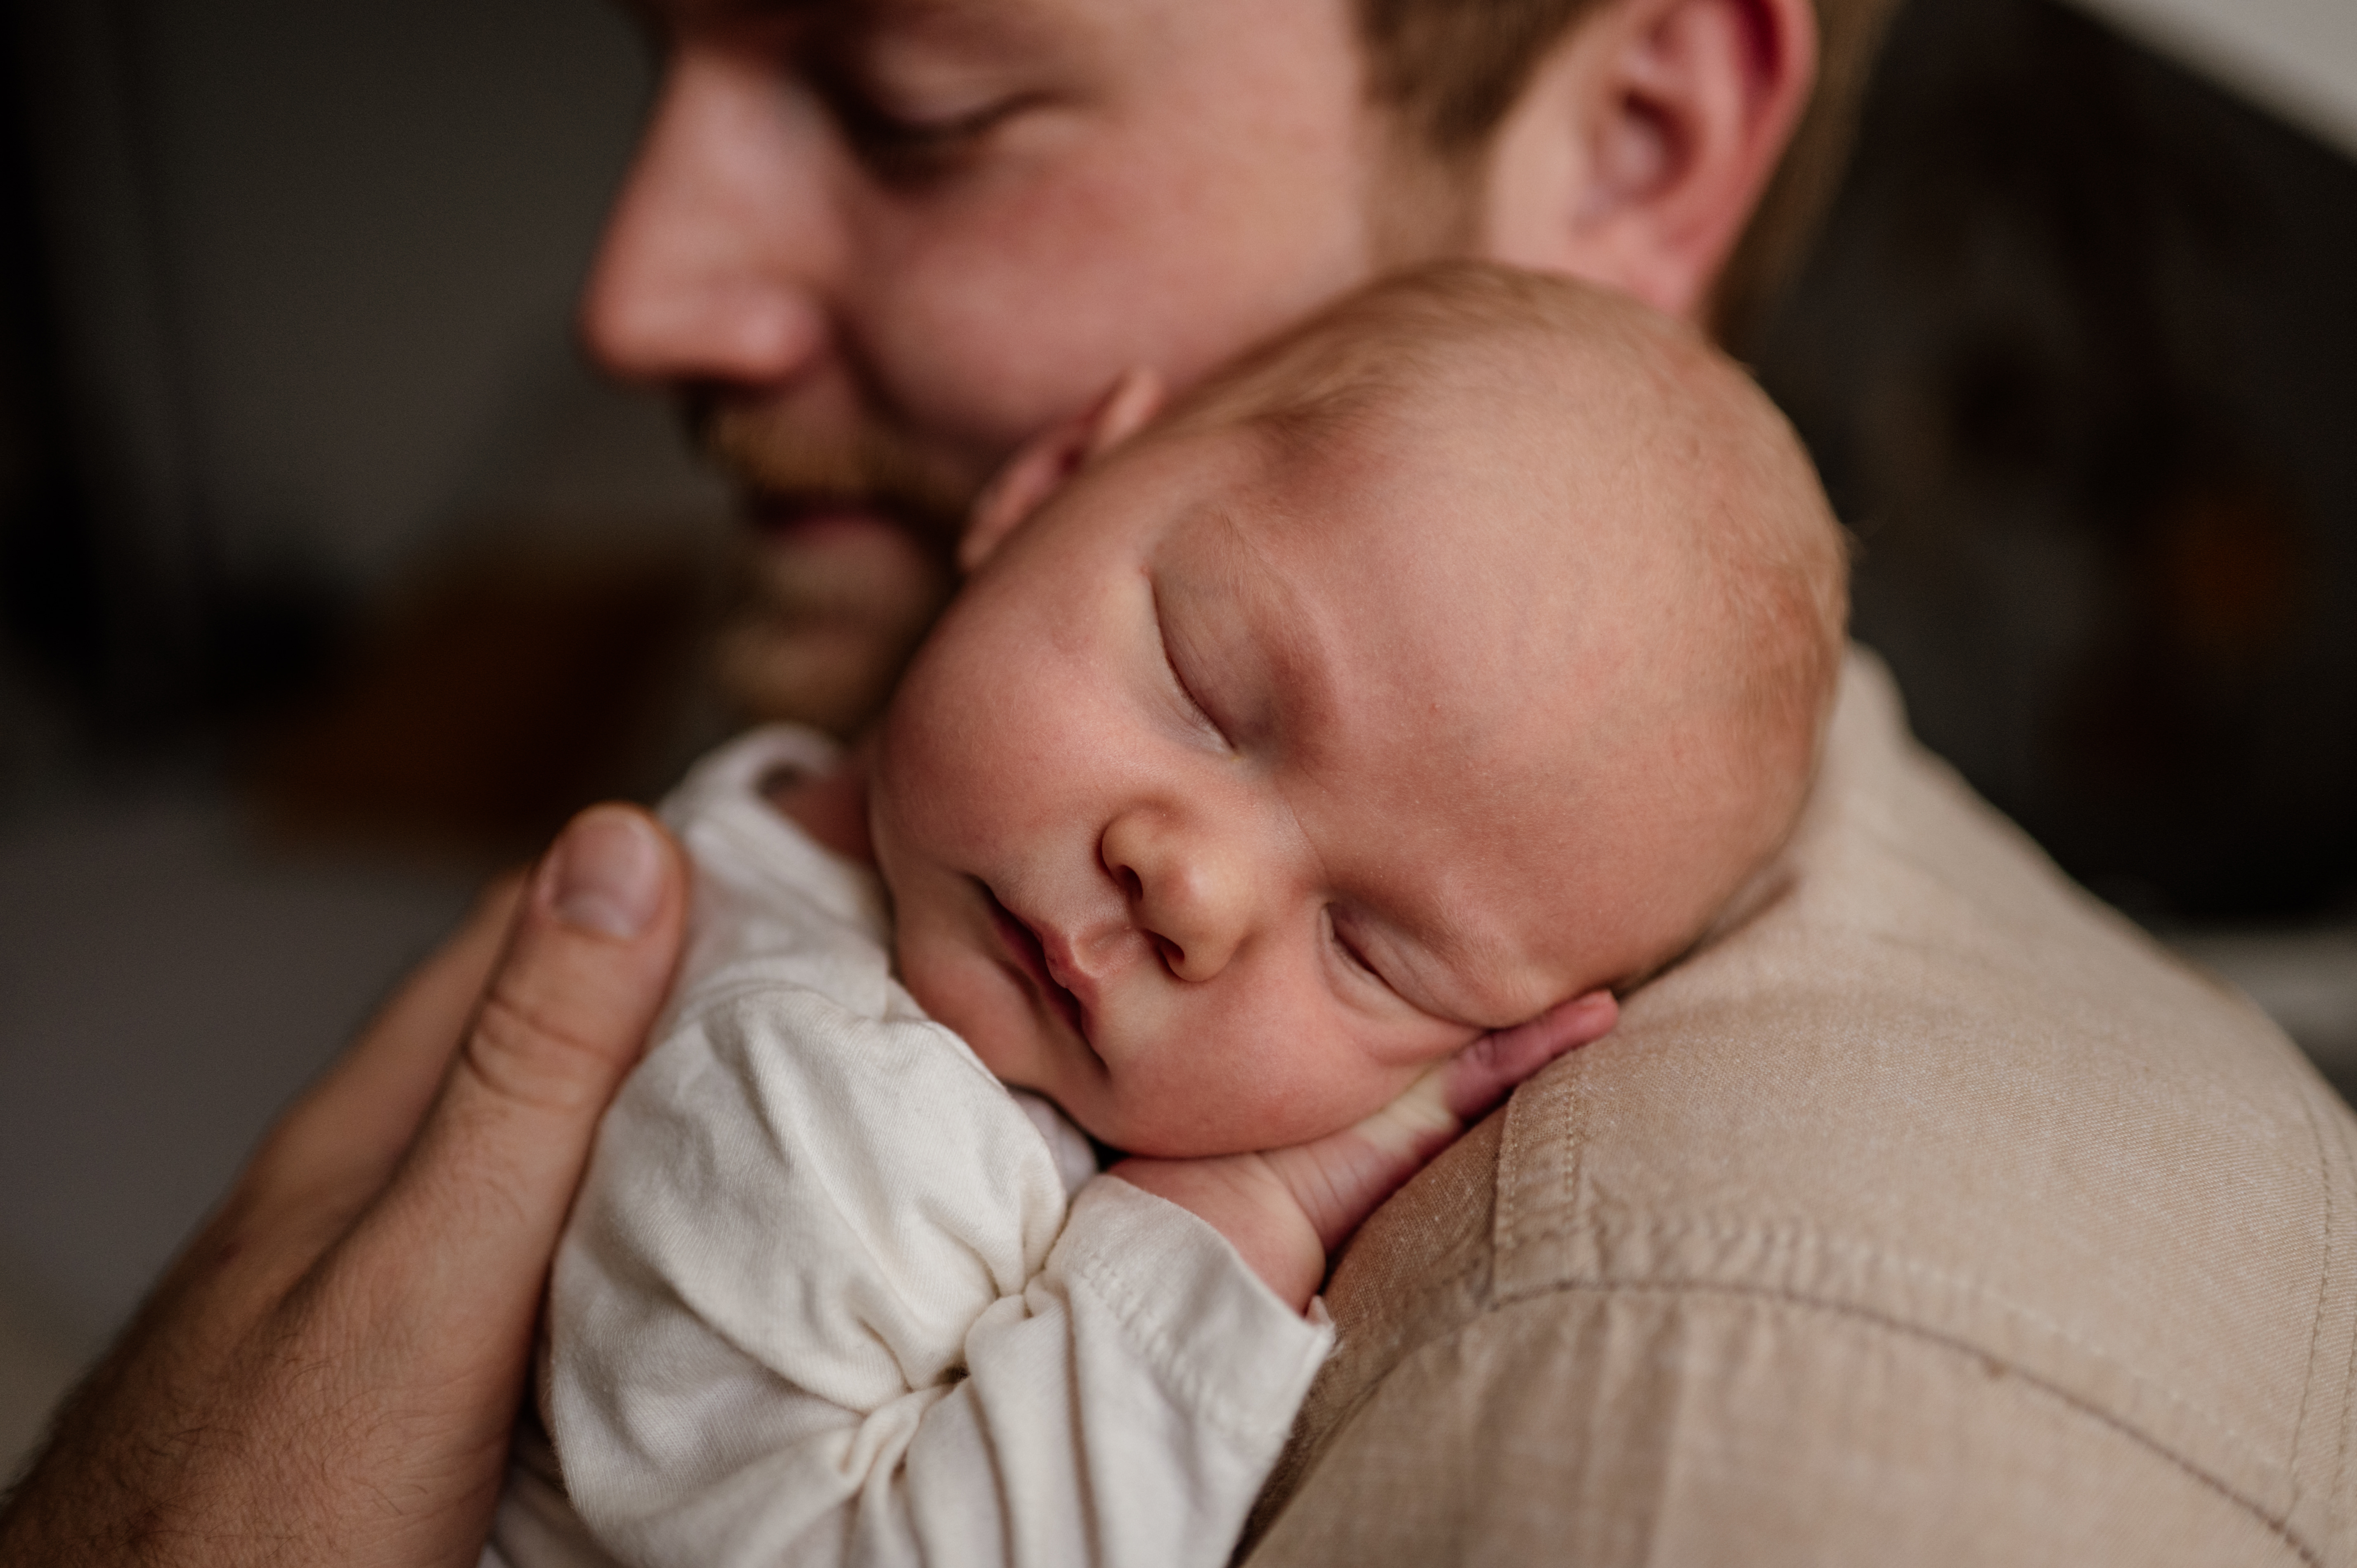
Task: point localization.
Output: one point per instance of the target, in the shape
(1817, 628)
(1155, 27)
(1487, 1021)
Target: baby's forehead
(1465, 543)
(1573, 568)
(1539, 341)
(1562, 835)
(1515, 522)
(1568, 437)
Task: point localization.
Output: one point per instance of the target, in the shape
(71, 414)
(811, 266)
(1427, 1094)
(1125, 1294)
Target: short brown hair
(1456, 67)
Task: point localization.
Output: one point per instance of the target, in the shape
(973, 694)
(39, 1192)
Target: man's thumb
(563, 1018)
(587, 965)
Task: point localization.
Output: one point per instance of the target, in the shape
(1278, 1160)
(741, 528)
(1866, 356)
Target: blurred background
(330, 580)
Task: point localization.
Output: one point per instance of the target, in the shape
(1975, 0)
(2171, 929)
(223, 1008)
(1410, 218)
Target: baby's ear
(1053, 457)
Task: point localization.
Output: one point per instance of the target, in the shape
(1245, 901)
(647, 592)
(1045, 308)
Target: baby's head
(1458, 654)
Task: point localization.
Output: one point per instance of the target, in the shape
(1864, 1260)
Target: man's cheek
(1020, 316)
(980, 361)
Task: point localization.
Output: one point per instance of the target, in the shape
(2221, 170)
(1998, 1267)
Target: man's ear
(1644, 139)
(1048, 460)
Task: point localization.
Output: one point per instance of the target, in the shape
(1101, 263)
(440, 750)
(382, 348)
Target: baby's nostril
(1173, 956)
(1132, 884)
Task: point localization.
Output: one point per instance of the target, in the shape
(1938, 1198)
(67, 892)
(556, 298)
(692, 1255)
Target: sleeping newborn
(1298, 769)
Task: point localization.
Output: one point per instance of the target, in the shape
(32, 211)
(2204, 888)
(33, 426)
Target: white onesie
(833, 1293)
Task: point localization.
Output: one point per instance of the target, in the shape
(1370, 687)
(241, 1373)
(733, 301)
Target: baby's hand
(1287, 1209)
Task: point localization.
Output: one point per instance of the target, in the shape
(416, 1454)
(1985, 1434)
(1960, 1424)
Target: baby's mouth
(1031, 958)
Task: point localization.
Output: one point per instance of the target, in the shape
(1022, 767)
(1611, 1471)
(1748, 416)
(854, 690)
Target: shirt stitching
(2279, 1524)
(1719, 1230)
(2349, 1376)
(1136, 1316)
(2323, 1292)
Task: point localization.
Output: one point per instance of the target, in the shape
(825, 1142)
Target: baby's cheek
(957, 988)
(1283, 1090)
(1351, 1077)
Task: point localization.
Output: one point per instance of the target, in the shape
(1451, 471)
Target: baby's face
(1231, 793)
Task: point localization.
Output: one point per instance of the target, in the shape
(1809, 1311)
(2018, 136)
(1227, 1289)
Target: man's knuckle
(526, 1052)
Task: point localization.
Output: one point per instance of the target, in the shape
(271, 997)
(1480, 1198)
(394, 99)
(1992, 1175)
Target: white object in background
(2297, 58)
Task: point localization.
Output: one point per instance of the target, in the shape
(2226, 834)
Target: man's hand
(1287, 1210)
(329, 1372)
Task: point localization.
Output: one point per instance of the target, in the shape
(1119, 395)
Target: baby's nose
(1188, 887)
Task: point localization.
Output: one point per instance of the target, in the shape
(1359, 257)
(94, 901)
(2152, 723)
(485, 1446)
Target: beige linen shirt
(1929, 1213)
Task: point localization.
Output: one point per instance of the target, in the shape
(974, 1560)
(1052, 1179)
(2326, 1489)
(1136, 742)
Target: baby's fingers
(1337, 1181)
(1455, 1093)
(1486, 1071)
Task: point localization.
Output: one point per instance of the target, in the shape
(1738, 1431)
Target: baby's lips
(1036, 959)
(1059, 953)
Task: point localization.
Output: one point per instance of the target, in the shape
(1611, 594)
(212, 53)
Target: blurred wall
(308, 267)
(2077, 355)
(285, 289)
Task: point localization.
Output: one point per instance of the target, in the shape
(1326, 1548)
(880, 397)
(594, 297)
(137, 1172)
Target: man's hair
(1454, 67)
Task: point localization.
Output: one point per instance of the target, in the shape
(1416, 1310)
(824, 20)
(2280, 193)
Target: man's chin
(809, 562)
(834, 600)
(820, 516)
(831, 677)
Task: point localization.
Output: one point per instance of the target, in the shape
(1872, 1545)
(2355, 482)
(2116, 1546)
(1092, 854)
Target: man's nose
(1189, 885)
(713, 263)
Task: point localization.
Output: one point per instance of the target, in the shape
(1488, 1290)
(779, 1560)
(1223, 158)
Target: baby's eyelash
(1349, 951)
(1179, 678)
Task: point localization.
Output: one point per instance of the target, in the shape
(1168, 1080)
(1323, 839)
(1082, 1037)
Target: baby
(1388, 706)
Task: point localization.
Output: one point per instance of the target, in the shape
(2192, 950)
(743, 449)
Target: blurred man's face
(880, 242)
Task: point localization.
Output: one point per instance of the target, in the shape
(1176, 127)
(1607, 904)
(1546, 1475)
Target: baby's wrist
(1242, 1198)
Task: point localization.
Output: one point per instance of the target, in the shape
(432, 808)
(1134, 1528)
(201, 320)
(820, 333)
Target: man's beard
(784, 468)
(845, 568)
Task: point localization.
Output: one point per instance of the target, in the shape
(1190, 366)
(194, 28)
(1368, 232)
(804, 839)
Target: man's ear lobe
(1644, 141)
(1046, 462)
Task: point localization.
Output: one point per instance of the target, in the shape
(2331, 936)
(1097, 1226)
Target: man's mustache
(871, 466)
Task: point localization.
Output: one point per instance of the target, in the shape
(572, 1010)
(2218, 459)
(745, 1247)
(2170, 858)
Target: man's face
(880, 242)
(1220, 803)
